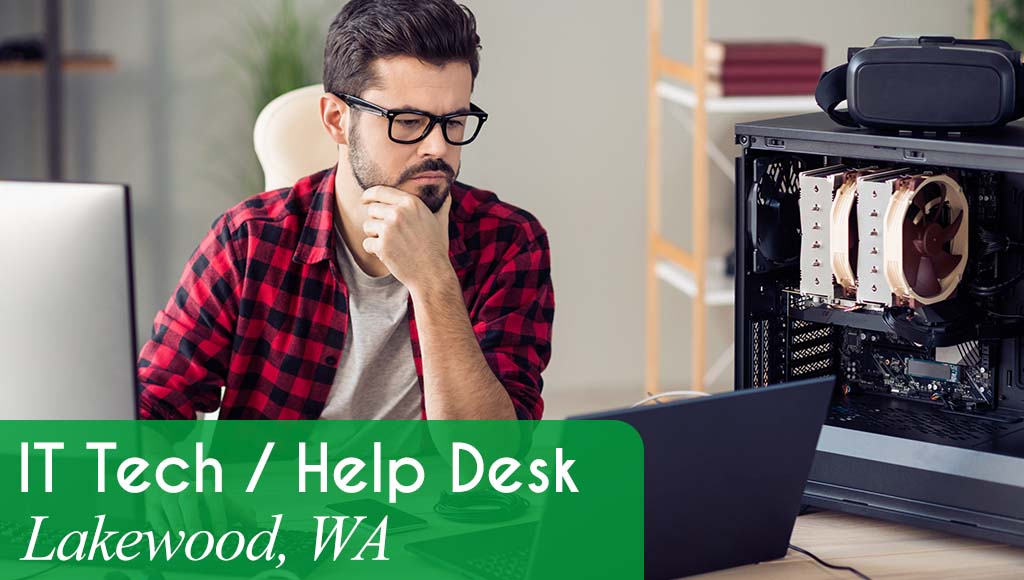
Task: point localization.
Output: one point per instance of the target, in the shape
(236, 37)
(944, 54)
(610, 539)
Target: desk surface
(882, 550)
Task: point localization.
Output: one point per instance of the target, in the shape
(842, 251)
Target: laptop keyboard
(509, 565)
(287, 542)
(501, 553)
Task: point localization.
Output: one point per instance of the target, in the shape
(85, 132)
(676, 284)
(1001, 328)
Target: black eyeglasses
(407, 126)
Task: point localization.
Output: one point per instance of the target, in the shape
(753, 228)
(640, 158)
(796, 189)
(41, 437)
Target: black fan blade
(927, 283)
(945, 263)
(937, 204)
(911, 254)
(950, 231)
(925, 200)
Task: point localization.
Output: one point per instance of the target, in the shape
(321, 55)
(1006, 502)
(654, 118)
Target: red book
(741, 72)
(763, 51)
(761, 88)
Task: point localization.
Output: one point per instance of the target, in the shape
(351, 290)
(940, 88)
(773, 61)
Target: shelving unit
(68, 64)
(690, 271)
(775, 104)
(53, 67)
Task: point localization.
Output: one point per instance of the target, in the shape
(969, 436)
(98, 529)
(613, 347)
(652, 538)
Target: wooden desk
(882, 550)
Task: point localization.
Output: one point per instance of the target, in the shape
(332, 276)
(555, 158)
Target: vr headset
(931, 83)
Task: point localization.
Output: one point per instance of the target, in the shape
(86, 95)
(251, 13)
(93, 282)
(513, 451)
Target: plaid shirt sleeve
(184, 365)
(513, 321)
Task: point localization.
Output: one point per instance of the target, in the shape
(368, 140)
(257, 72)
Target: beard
(369, 174)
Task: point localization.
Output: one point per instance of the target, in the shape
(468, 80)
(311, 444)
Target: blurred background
(162, 95)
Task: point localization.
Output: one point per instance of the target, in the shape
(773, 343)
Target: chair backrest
(290, 139)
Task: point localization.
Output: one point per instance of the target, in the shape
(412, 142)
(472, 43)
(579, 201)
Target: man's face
(425, 169)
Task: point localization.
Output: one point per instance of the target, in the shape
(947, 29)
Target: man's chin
(431, 195)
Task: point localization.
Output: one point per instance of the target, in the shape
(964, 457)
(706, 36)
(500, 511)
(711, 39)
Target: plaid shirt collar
(316, 242)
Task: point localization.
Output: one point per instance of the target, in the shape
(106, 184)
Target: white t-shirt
(376, 376)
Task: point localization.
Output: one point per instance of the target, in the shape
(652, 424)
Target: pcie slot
(809, 340)
(811, 352)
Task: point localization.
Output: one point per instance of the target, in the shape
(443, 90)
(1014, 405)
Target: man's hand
(413, 244)
(191, 512)
(406, 236)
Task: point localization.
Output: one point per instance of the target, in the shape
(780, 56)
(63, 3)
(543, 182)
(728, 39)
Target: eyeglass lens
(411, 126)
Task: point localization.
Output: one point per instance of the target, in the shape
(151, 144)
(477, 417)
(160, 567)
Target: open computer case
(895, 262)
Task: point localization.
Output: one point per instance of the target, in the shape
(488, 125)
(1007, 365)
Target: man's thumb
(446, 207)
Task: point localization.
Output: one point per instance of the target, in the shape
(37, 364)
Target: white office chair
(290, 140)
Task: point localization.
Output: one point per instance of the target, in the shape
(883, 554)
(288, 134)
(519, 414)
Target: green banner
(318, 499)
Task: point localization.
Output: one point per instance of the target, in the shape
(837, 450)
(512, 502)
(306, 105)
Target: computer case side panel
(741, 364)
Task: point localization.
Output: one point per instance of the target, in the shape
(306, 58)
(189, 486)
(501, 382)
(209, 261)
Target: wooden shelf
(719, 289)
(767, 104)
(71, 64)
(680, 82)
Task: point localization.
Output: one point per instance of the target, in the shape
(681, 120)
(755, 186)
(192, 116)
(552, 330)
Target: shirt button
(331, 360)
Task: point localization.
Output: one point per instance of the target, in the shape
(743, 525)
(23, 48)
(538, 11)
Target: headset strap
(830, 92)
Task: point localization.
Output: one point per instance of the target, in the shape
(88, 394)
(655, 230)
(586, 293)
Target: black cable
(41, 572)
(1010, 316)
(1003, 326)
(993, 243)
(827, 565)
(478, 507)
(998, 287)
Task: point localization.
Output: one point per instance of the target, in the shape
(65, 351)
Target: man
(381, 288)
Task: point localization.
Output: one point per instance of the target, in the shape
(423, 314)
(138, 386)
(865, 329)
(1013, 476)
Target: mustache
(428, 165)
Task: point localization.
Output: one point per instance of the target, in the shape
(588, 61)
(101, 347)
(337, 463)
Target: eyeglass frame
(390, 114)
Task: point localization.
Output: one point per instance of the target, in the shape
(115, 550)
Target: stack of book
(762, 68)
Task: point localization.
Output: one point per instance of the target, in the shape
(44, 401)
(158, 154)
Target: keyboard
(509, 565)
(494, 554)
(297, 545)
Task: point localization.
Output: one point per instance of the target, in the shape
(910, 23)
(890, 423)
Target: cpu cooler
(888, 237)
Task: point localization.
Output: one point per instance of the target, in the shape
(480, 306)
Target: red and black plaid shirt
(262, 310)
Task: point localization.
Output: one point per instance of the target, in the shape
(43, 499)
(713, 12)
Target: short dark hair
(433, 31)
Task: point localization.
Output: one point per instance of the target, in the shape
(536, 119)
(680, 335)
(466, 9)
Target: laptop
(723, 481)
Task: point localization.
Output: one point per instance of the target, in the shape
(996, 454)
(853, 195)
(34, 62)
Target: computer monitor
(67, 323)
